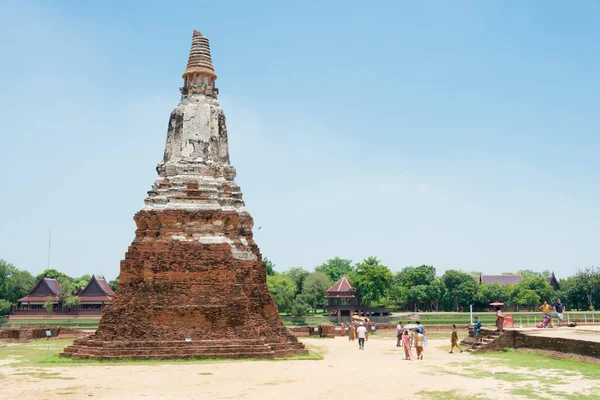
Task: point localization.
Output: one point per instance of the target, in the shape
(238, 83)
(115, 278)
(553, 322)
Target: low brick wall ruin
(517, 340)
(31, 333)
(564, 345)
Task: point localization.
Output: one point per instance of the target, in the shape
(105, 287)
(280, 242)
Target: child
(454, 340)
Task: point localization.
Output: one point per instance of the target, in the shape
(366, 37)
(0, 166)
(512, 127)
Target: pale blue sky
(459, 134)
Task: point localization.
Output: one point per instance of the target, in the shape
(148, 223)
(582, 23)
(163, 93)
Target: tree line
(299, 292)
(16, 284)
(421, 288)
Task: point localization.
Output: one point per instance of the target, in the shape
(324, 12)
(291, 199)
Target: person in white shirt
(361, 331)
(399, 330)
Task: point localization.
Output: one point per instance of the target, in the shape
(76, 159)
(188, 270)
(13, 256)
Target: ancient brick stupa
(193, 283)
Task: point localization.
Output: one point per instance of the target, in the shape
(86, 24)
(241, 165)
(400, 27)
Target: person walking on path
(399, 334)
(558, 307)
(406, 341)
(476, 329)
(351, 332)
(499, 320)
(419, 342)
(454, 340)
(343, 329)
(361, 331)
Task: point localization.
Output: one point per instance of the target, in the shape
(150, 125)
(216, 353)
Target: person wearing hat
(361, 332)
(476, 328)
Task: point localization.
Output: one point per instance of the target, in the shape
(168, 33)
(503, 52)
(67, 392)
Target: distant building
(511, 279)
(36, 299)
(553, 282)
(93, 297)
(344, 301)
(508, 279)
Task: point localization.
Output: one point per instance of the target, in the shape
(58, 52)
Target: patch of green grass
(528, 391)
(26, 354)
(43, 375)
(448, 395)
(91, 323)
(581, 396)
(205, 373)
(526, 359)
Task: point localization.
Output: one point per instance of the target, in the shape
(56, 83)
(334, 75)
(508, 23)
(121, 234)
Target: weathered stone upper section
(195, 172)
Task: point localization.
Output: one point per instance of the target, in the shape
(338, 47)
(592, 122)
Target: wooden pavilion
(95, 295)
(343, 300)
(43, 289)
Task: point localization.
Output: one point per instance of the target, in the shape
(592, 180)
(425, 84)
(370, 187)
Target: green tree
(315, 288)
(416, 295)
(590, 281)
(487, 293)
(413, 276)
(18, 283)
(526, 298)
(528, 274)
(48, 304)
(460, 288)
(436, 292)
(336, 268)
(5, 270)
(72, 303)
(52, 273)
(269, 265)
(574, 293)
(283, 290)
(298, 275)
(299, 307)
(538, 284)
(4, 307)
(113, 284)
(82, 281)
(372, 280)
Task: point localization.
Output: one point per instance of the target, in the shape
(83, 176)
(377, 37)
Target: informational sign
(187, 339)
(373, 328)
(48, 333)
(316, 329)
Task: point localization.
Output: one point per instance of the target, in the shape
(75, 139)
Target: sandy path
(378, 372)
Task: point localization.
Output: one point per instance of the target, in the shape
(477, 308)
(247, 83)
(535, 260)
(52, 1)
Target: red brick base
(173, 288)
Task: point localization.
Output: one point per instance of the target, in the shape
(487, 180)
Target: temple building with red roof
(93, 297)
(343, 300)
(44, 288)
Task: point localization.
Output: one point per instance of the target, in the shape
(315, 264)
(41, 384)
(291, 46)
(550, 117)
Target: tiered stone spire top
(200, 73)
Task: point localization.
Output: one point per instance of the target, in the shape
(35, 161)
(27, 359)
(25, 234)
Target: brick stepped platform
(163, 350)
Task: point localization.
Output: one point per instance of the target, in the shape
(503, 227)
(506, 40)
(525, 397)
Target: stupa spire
(199, 76)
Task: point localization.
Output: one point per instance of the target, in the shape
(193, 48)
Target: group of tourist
(547, 308)
(408, 338)
(356, 330)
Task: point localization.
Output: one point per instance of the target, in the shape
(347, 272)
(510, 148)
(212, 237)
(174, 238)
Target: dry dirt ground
(378, 372)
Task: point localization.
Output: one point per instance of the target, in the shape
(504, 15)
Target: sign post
(471, 310)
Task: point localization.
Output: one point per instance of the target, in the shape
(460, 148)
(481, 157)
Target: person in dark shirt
(558, 307)
(476, 328)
